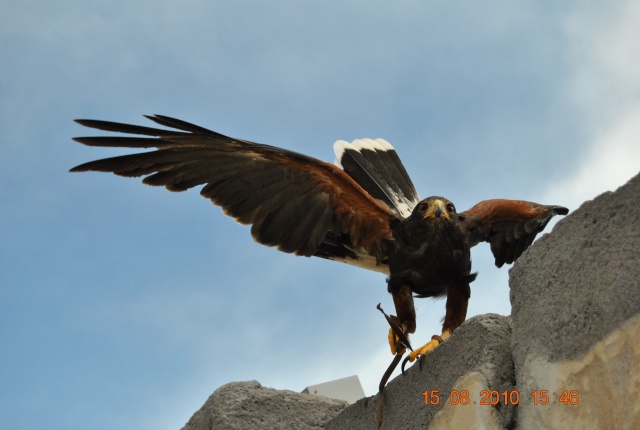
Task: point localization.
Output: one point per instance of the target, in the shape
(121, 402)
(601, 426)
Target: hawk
(362, 210)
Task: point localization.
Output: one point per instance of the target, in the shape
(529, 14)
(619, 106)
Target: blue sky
(125, 306)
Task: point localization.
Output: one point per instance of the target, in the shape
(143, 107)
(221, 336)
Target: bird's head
(435, 207)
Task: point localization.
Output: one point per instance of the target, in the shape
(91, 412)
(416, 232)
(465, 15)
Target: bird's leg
(398, 348)
(457, 300)
(406, 319)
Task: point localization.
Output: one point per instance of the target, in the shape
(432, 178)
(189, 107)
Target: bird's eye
(422, 207)
(451, 208)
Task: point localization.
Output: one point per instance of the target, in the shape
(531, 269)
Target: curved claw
(421, 352)
(421, 362)
(404, 362)
(408, 358)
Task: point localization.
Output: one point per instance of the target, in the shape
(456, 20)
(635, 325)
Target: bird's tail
(375, 165)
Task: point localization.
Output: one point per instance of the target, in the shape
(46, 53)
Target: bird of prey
(362, 210)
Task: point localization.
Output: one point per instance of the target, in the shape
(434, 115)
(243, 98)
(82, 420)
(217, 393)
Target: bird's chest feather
(428, 256)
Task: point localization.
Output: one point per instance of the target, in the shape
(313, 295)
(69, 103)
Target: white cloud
(612, 160)
(605, 91)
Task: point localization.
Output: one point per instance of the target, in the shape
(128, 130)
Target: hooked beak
(436, 209)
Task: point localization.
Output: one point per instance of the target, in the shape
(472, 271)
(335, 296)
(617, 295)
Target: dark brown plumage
(363, 210)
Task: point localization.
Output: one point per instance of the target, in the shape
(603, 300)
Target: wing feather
(510, 226)
(292, 201)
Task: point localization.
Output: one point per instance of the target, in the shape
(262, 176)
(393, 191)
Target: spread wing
(510, 226)
(292, 201)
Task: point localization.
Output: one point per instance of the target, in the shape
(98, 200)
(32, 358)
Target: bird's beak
(436, 209)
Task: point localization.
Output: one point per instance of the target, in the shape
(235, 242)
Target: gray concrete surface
(576, 285)
(250, 406)
(575, 296)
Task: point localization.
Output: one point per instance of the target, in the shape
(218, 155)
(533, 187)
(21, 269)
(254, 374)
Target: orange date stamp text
(506, 397)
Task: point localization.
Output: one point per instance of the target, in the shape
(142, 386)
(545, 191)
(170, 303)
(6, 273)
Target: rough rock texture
(574, 297)
(573, 340)
(249, 405)
(475, 358)
(601, 388)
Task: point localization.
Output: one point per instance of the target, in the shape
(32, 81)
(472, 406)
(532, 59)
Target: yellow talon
(395, 341)
(429, 346)
(424, 349)
(392, 341)
(398, 340)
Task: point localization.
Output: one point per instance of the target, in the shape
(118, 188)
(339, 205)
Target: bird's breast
(429, 259)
